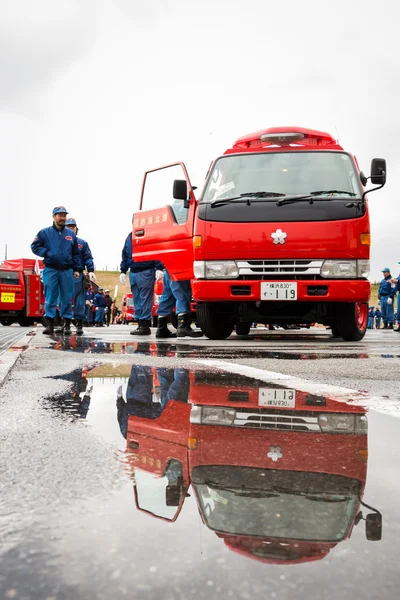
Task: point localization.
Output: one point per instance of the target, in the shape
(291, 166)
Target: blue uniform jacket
(89, 296)
(385, 288)
(58, 248)
(85, 255)
(100, 300)
(127, 261)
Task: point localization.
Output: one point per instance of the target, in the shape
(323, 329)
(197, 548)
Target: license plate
(278, 290)
(276, 398)
(7, 297)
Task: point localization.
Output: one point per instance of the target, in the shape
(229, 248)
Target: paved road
(10, 335)
(100, 494)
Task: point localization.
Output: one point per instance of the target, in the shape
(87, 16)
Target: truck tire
(154, 321)
(215, 324)
(25, 321)
(352, 320)
(6, 321)
(335, 331)
(242, 328)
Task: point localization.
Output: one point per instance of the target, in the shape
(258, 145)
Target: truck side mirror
(378, 171)
(180, 191)
(373, 527)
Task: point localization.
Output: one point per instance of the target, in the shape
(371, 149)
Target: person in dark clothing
(100, 304)
(142, 278)
(89, 299)
(109, 306)
(378, 317)
(371, 317)
(86, 262)
(386, 294)
(58, 246)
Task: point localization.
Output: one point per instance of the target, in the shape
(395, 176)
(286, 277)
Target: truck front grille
(277, 269)
(283, 422)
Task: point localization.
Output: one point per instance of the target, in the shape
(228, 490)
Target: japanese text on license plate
(7, 297)
(276, 398)
(279, 290)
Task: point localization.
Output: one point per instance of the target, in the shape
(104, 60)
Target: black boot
(144, 327)
(60, 327)
(162, 329)
(67, 327)
(134, 331)
(184, 328)
(79, 330)
(390, 325)
(49, 326)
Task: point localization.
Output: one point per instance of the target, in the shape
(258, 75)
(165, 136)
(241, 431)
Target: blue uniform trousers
(79, 299)
(387, 310)
(99, 318)
(88, 314)
(174, 292)
(58, 285)
(142, 288)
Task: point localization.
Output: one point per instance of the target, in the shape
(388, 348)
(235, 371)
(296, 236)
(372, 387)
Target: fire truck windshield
(286, 173)
(285, 515)
(9, 277)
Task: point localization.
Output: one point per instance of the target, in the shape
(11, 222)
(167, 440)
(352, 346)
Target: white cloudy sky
(93, 92)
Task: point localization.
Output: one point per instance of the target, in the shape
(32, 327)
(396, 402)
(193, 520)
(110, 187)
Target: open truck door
(163, 227)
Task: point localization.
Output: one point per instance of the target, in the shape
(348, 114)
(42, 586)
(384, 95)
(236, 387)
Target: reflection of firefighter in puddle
(149, 391)
(76, 401)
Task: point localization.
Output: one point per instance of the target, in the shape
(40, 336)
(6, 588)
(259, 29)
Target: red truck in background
(280, 233)
(128, 313)
(21, 292)
(278, 474)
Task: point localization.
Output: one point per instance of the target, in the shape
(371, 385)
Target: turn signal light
(362, 455)
(365, 239)
(192, 443)
(197, 241)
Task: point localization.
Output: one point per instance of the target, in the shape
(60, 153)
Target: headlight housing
(343, 423)
(212, 415)
(343, 268)
(215, 269)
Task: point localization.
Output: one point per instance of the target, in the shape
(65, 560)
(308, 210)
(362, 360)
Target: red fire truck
(278, 474)
(21, 292)
(280, 233)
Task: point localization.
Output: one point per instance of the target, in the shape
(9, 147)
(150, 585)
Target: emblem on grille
(275, 453)
(279, 236)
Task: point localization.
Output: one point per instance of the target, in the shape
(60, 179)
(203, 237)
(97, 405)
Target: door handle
(139, 232)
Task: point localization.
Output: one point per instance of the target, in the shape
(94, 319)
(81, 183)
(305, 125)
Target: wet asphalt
(108, 490)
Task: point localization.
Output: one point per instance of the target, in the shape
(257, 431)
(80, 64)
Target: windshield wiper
(247, 195)
(242, 491)
(322, 499)
(320, 192)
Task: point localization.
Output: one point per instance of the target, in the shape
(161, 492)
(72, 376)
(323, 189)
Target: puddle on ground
(277, 474)
(93, 346)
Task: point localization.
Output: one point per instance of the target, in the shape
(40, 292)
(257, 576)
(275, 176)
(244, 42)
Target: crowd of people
(384, 316)
(77, 298)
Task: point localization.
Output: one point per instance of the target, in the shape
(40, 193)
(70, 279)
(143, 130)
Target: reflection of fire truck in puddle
(278, 474)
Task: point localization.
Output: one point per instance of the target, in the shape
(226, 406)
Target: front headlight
(336, 423)
(215, 269)
(339, 269)
(212, 415)
(363, 268)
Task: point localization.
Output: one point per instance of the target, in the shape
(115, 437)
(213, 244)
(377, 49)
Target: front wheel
(242, 328)
(352, 320)
(213, 321)
(25, 321)
(154, 321)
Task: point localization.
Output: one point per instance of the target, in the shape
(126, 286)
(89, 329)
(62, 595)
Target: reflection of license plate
(276, 398)
(7, 297)
(278, 290)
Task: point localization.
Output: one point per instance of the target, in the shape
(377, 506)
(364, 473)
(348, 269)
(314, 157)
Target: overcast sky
(94, 92)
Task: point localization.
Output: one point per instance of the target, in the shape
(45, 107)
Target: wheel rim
(361, 315)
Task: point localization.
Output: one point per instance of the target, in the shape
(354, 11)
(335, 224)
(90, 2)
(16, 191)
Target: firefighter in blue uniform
(397, 288)
(86, 262)
(142, 276)
(58, 247)
(386, 295)
(100, 304)
(178, 295)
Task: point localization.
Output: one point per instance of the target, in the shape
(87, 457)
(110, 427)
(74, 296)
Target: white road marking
(340, 394)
